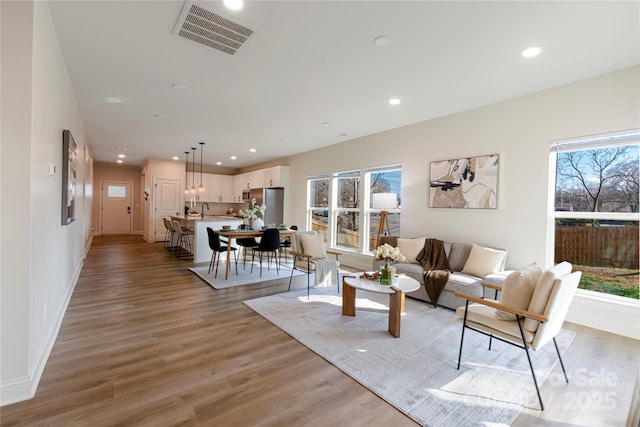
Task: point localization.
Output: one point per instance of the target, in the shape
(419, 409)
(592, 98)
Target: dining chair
(218, 248)
(246, 243)
(269, 242)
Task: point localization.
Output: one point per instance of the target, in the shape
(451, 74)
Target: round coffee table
(396, 296)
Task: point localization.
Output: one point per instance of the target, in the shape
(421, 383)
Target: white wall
(519, 130)
(41, 259)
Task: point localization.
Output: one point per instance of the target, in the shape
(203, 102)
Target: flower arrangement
(388, 253)
(254, 211)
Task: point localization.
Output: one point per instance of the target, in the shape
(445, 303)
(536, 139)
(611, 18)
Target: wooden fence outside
(598, 246)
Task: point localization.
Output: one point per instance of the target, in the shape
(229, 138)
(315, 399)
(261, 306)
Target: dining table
(244, 234)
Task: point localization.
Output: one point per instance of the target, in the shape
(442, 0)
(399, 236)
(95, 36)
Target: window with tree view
(319, 204)
(596, 210)
(347, 212)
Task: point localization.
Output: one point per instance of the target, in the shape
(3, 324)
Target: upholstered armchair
(530, 312)
(310, 255)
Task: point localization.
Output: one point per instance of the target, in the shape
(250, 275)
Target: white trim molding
(609, 313)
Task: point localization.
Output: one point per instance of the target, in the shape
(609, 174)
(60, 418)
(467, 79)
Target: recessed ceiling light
(394, 101)
(159, 116)
(118, 148)
(121, 156)
(218, 163)
(233, 157)
(233, 4)
(324, 124)
(343, 135)
(119, 161)
(175, 158)
(178, 86)
(532, 51)
(252, 150)
(112, 100)
(382, 40)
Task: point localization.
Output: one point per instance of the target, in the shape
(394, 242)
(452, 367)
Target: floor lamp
(383, 201)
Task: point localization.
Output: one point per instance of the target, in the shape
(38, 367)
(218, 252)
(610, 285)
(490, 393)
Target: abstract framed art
(69, 165)
(470, 183)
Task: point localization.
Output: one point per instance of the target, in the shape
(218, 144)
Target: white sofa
(457, 255)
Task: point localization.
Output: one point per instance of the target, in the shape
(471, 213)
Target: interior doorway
(115, 207)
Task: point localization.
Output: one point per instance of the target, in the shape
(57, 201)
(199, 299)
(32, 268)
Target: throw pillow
(410, 248)
(517, 290)
(313, 244)
(483, 261)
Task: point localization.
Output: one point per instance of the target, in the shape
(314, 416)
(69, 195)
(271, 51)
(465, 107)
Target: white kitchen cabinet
(238, 183)
(277, 176)
(194, 179)
(221, 188)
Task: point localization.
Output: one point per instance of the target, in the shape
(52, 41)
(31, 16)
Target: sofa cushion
(414, 271)
(483, 261)
(458, 255)
(410, 248)
(517, 290)
(460, 282)
(313, 244)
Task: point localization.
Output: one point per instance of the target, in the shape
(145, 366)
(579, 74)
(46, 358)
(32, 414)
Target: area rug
(244, 276)
(417, 372)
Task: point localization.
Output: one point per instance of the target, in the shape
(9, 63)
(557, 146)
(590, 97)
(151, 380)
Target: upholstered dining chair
(269, 242)
(218, 248)
(168, 234)
(309, 255)
(244, 244)
(530, 312)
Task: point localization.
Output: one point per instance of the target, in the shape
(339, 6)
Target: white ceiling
(314, 62)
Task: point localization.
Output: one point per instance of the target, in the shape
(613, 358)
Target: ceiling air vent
(212, 29)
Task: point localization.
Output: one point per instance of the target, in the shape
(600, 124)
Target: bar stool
(183, 239)
(168, 234)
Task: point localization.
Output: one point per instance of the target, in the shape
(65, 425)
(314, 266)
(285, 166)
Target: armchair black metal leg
(211, 262)
(308, 274)
(526, 349)
(464, 325)
(560, 359)
(291, 277)
(490, 341)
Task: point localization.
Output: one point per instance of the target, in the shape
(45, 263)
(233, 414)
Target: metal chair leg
(464, 325)
(533, 374)
(560, 358)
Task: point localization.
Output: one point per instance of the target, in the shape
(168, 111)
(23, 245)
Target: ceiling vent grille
(212, 29)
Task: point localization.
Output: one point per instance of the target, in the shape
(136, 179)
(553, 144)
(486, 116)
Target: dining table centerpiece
(253, 215)
(388, 254)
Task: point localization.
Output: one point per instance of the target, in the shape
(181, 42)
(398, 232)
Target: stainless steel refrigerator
(273, 198)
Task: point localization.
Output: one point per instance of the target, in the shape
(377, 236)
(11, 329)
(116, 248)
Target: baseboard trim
(19, 389)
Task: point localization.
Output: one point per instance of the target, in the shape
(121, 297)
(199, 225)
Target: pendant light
(186, 178)
(193, 174)
(201, 187)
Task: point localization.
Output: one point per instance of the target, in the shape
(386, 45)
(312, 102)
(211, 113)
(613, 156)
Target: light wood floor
(145, 342)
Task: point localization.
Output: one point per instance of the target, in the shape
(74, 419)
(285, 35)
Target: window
(347, 211)
(596, 210)
(318, 211)
(385, 181)
(117, 191)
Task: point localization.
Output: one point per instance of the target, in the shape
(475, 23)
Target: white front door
(115, 216)
(166, 199)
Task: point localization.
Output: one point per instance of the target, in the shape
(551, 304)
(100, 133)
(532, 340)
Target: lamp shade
(384, 201)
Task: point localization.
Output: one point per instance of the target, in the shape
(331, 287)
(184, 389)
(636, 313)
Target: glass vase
(385, 275)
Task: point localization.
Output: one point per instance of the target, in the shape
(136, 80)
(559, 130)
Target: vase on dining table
(257, 224)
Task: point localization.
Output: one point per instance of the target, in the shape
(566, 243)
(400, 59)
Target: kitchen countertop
(208, 218)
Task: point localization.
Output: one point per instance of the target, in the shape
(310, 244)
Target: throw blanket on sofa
(436, 268)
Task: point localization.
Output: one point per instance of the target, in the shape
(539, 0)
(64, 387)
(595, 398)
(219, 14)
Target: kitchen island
(200, 242)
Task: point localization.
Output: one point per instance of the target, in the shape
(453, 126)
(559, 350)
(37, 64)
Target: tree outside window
(596, 214)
